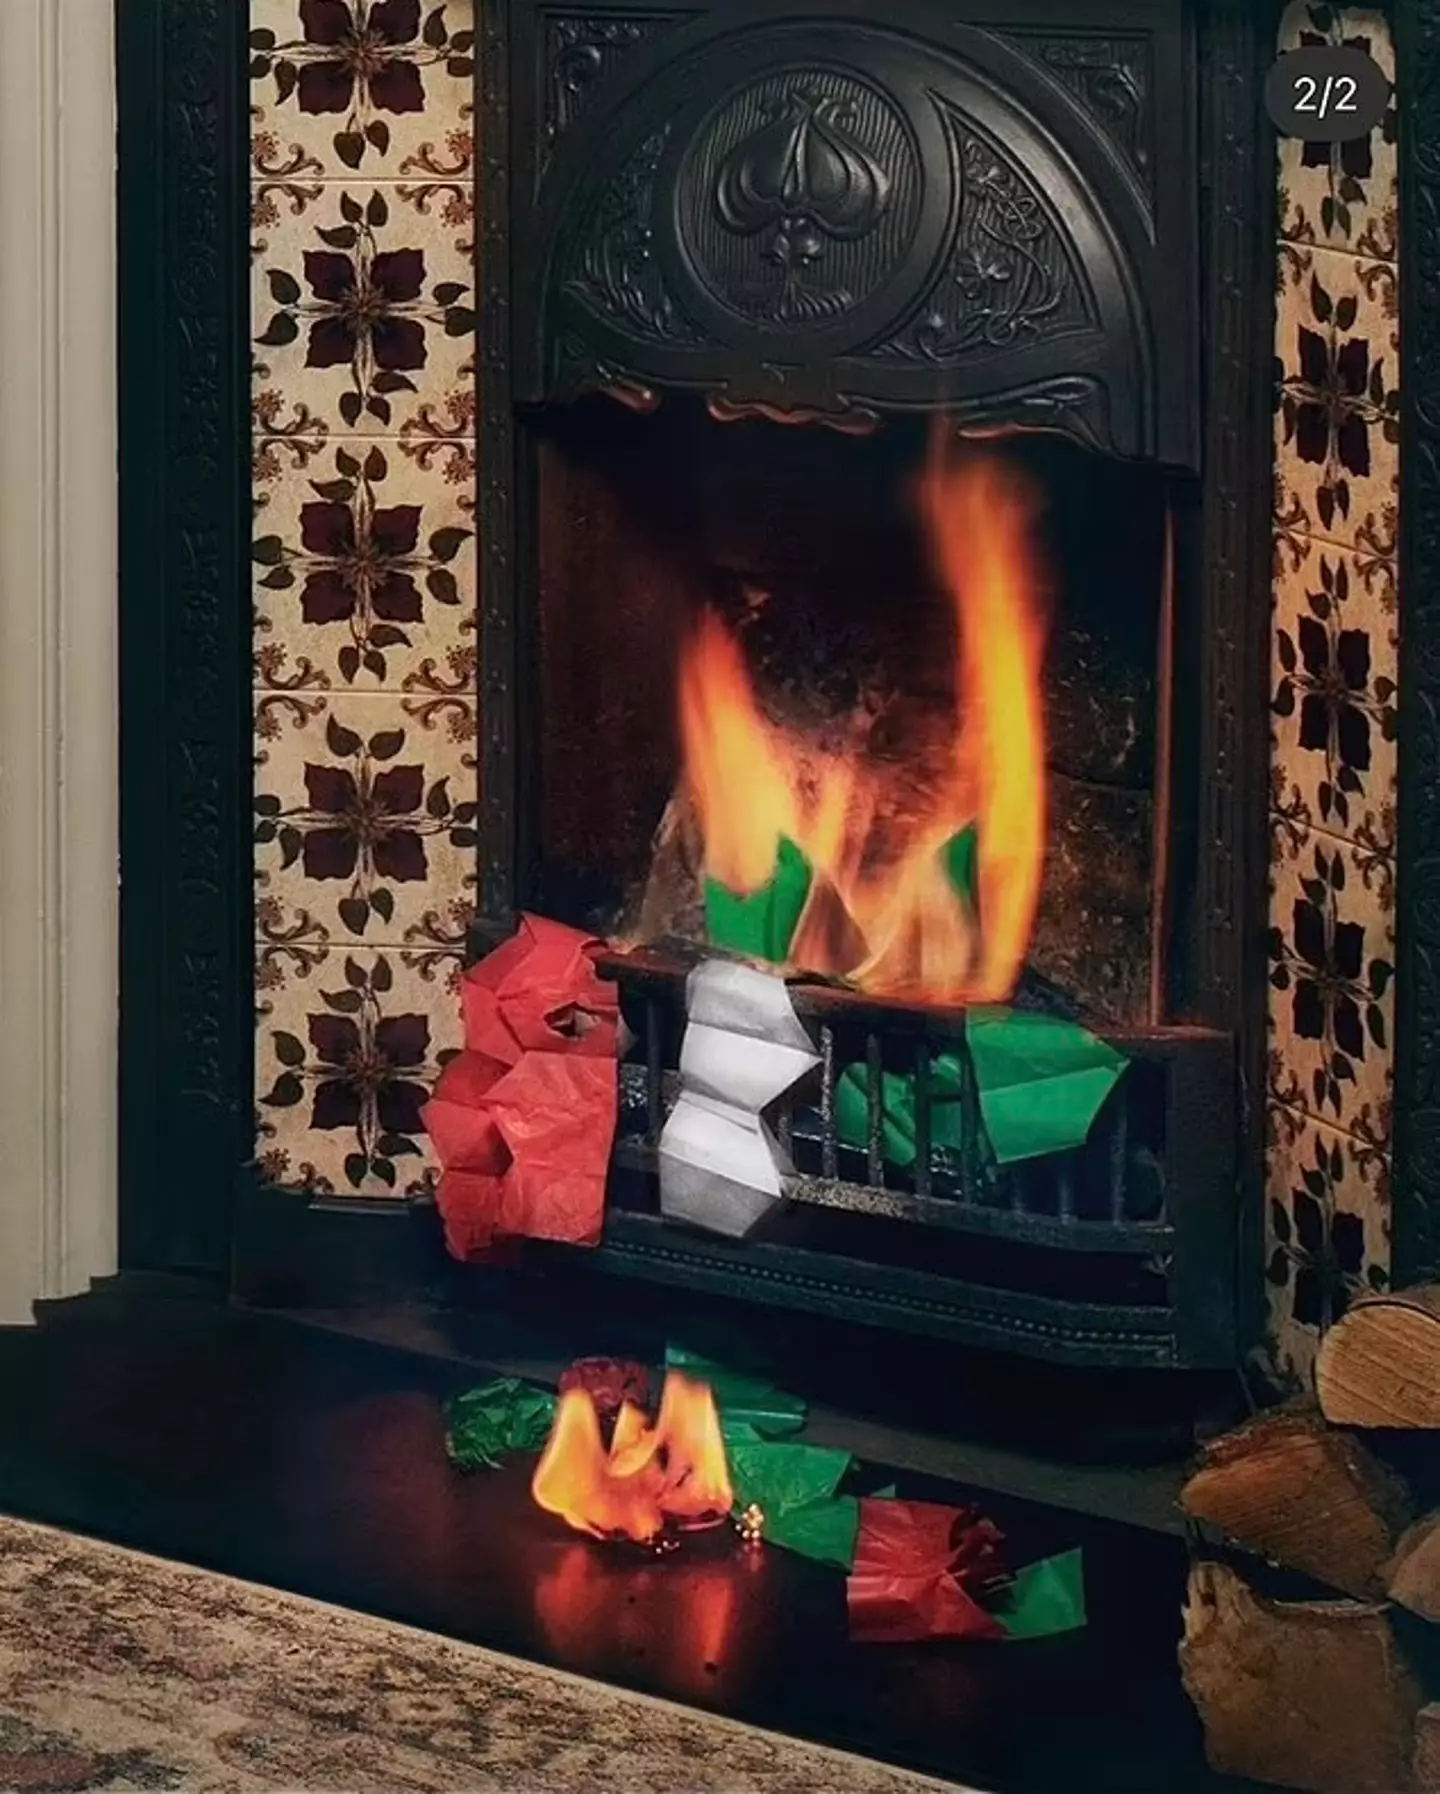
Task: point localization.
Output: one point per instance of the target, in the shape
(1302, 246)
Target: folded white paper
(720, 1166)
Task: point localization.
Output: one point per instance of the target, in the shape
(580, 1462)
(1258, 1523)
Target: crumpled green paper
(794, 1486)
(750, 1407)
(485, 1424)
(761, 925)
(1044, 1599)
(1040, 1082)
(1040, 1079)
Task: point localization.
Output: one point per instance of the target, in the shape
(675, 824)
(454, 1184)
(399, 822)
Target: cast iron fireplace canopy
(840, 209)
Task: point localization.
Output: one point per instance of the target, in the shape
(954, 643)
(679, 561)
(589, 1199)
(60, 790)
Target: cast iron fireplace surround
(190, 1203)
(1026, 217)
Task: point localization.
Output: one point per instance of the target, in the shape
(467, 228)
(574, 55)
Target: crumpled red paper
(610, 1382)
(523, 1119)
(919, 1566)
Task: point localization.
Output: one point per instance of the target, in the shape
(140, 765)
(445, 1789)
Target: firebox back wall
(365, 681)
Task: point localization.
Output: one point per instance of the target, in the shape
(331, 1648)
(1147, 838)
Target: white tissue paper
(720, 1166)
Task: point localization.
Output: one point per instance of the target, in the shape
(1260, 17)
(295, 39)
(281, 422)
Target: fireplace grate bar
(922, 1118)
(654, 1069)
(829, 1130)
(1119, 1158)
(874, 1113)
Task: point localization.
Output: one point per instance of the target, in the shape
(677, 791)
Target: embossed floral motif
(1317, 1247)
(359, 563)
(1326, 674)
(366, 821)
(1335, 983)
(360, 59)
(1333, 398)
(363, 1071)
(365, 309)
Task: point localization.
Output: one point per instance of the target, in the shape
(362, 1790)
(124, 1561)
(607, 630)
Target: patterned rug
(120, 1671)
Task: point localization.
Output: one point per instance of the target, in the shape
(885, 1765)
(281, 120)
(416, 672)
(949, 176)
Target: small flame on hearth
(651, 1479)
(883, 908)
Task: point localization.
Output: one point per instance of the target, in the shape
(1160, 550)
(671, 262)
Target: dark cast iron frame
(189, 1200)
(1229, 540)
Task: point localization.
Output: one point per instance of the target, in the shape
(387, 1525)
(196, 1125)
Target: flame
(650, 1478)
(882, 908)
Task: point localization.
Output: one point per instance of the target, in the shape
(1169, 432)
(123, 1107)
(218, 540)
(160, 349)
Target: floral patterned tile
(1337, 398)
(364, 566)
(1327, 1235)
(348, 1046)
(365, 808)
(361, 86)
(1342, 195)
(1332, 976)
(362, 312)
(1333, 684)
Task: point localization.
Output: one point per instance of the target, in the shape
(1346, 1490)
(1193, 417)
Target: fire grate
(1129, 1239)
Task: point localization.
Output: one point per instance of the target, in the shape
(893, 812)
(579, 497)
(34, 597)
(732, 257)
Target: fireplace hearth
(742, 271)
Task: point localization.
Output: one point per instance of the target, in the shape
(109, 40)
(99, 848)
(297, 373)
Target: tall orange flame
(883, 909)
(671, 1474)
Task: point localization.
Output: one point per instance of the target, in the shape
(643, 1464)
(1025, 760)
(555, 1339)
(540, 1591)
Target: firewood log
(1426, 1765)
(1379, 1365)
(1313, 1500)
(1312, 1695)
(1412, 1577)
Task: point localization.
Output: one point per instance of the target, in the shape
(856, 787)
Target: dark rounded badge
(1326, 94)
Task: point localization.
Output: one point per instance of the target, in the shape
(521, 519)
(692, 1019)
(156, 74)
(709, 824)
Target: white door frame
(59, 724)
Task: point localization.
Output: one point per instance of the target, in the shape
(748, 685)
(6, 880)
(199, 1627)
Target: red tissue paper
(523, 1119)
(610, 1383)
(919, 1569)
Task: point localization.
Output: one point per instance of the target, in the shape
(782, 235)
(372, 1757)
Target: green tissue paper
(1045, 1598)
(484, 1425)
(750, 1407)
(794, 1486)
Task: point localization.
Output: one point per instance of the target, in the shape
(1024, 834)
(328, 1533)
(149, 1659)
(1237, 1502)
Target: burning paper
(650, 1477)
(720, 1166)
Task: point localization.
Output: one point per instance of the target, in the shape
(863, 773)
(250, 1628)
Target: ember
(651, 1479)
(878, 830)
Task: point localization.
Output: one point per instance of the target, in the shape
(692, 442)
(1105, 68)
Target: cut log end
(1412, 1577)
(1309, 1695)
(1379, 1365)
(1426, 1767)
(1305, 1497)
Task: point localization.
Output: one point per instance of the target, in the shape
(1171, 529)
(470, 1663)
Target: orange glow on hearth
(883, 909)
(651, 1478)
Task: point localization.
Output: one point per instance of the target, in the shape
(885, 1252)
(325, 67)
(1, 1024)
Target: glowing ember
(883, 908)
(651, 1478)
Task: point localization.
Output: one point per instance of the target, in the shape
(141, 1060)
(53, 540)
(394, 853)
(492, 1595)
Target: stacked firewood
(1335, 1691)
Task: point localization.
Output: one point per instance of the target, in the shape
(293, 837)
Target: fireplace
(802, 331)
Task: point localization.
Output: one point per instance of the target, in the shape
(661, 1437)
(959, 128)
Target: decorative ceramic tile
(440, 440)
(368, 86)
(362, 309)
(1332, 974)
(365, 808)
(364, 566)
(1327, 1234)
(348, 1047)
(1343, 195)
(1332, 683)
(1337, 399)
